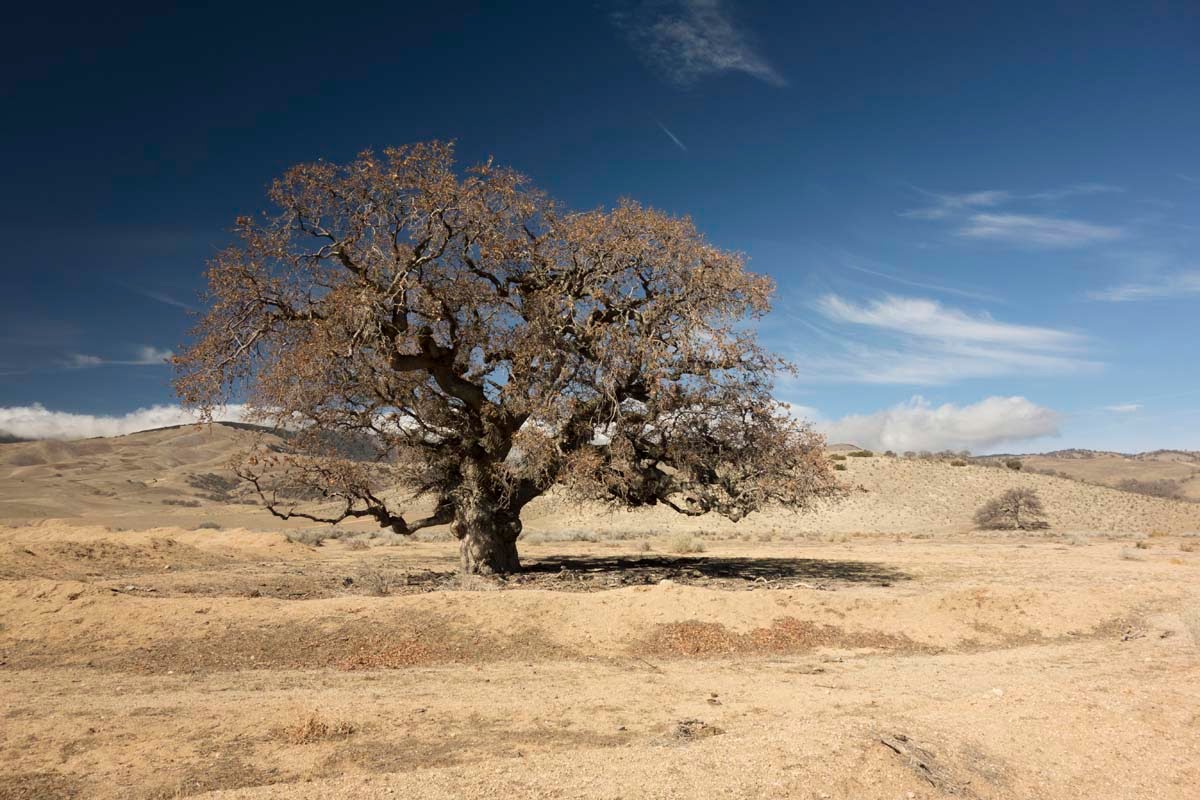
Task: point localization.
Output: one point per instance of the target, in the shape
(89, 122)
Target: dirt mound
(98, 558)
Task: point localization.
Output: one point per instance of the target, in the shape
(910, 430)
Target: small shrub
(840, 467)
(1131, 555)
(357, 544)
(1187, 547)
(958, 462)
(685, 543)
(836, 457)
(1014, 464)
(208, 525)
(184, 503)
(219, 488)
(861, 454)
(314, 729)
(378, 582)
(1142, 544)
(889, 453)
(315, 537)
(642, 547)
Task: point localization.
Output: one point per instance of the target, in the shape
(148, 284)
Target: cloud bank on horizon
(913, 425)
(919, 425)
(38, 422)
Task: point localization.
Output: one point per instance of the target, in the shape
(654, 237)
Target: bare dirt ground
(160, 638)
(235, 664)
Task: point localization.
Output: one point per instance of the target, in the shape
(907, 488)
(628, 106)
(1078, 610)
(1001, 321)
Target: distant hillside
(1159, 472)
(899, 495)
(159, 470)
(180, 476)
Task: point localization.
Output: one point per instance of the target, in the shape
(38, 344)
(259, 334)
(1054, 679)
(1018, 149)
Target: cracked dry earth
(234, 664)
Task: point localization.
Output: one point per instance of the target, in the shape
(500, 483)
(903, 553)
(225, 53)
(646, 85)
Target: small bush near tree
(685, 543)
(861, 454)
(958, 462)
(1013, 464)
(1016, 509)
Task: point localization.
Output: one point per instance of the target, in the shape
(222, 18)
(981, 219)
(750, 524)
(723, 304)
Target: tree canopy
(481, 343)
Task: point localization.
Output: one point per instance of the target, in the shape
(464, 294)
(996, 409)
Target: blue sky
(982, 218)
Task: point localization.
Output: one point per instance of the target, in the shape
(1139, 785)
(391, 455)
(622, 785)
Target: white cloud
(926, 318)
(918, 341)
(918, 425)
(38, 422)
(1124, 408)
(144, 356)
(690, 39)
(1038, 231)
(946, 205)
(81, 361)
(1179, 284)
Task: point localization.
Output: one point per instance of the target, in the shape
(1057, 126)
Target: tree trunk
(487, 532)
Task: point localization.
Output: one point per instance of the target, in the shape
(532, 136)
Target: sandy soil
(235, 664)
(159, 638)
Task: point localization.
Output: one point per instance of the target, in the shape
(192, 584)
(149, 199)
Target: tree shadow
(650, 569)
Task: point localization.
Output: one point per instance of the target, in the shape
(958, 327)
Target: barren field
(877, 649)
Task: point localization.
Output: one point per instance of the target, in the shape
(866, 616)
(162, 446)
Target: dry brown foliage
(477, 342)
(1019, 509)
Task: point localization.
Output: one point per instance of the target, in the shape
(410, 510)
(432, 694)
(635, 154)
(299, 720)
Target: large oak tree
(479, 344)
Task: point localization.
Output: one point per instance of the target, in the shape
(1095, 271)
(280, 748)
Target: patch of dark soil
(83, 560)
(693, 638)
(362, 644)
(691, 729)
(221, 772)
(39, 786)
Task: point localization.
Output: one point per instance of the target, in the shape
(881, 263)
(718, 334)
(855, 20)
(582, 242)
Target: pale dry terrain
(1182, 467)
(875, 649)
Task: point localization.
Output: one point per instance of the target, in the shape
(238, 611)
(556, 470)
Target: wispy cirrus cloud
(166, 299)
(919, 341)
(687, 40)
(1177, 284)
(946, 205)
(144, 356)
(1124, 408)
(1039, 231)
(673, 137)
(929, 319)
(38, 422)
(919, 425)
(983, 215)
